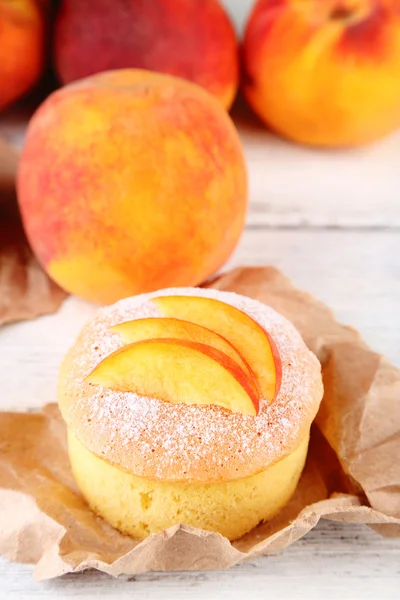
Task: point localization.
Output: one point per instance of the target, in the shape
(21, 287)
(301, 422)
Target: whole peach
(192, 39)
(325, 72)
(131, 181)
(21, 48)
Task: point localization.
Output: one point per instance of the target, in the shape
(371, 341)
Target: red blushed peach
(21, 48)
(325, 72)
(192, 39)
(131, 181)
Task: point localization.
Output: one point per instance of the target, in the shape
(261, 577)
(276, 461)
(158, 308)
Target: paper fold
(352, 472)
(25, 289)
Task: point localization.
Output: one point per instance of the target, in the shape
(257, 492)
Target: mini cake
(188, 406)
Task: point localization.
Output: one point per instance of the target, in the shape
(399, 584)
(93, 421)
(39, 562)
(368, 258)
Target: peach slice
(178, 329)
(178, 371)
(248, 337)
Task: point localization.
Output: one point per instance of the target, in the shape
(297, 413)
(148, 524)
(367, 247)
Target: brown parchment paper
(352, 472)
(25, 290)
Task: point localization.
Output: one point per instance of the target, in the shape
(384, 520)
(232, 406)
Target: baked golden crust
(176, 442)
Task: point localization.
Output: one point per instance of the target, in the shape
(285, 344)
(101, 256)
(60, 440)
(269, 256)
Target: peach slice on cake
(180, 372)
(248, 337)
(178, 329)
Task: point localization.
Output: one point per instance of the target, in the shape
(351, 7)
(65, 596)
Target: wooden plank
(356, 273)
(296, 186)
(292, 186)
(333, 561)
(239, 11)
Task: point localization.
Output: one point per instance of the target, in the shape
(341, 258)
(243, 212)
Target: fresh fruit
(131, 181)
(192, 39)
(21, 48)
(152, 328)
(325, 72)
(180, 372)
(252, 341)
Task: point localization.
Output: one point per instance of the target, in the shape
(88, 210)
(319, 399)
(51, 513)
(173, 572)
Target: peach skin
(254, 344)
(178, 371)
(192, 39)
(131, 181)
(21, 48)
(156, 328)
(325, 72)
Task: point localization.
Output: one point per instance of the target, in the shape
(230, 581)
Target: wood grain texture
(239, 11)
(330, 221)
(294, 186)
(291, 186)
(356, 273)
(332, 562)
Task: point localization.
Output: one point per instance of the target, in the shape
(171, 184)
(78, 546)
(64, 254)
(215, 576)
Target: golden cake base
(139, 506)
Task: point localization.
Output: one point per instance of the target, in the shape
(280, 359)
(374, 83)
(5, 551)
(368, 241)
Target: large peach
(21, 48)
(131, 181)
(193, 39)
(325, 72)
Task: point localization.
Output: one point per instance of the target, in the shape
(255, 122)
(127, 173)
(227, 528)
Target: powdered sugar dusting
(156, 439)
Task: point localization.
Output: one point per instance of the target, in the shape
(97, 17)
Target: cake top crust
(176, 442)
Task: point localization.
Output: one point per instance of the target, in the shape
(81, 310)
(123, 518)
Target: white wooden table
(331, 221)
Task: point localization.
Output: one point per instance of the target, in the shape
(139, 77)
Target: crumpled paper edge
(343, 481)
(26, 291)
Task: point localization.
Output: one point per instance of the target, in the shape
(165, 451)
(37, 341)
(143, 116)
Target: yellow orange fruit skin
(325, 72)
(192, 39)
(252, 341)
(152, 328)
(22, 49)
(131, 181)
(180, 372)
